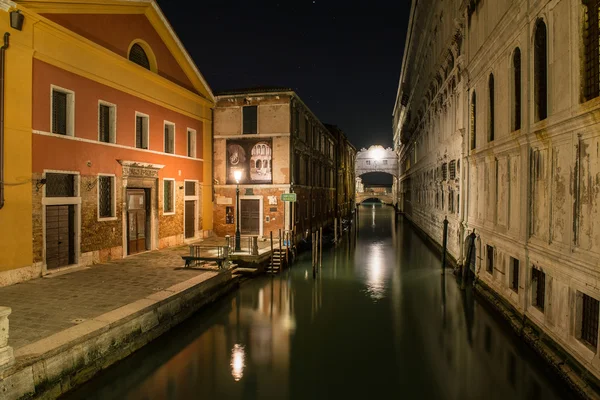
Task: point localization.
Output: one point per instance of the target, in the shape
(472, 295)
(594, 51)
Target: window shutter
(138, 56)
(250, 119)
(139, 132)
(105, 196)
(104, 123)
(59, 112)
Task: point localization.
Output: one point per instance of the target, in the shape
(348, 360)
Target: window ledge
(168, 213)
(105, 219)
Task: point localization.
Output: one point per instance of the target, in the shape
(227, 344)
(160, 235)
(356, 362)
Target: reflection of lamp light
(238, 362)
(237, 174)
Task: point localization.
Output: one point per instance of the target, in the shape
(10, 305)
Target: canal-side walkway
(66, 326)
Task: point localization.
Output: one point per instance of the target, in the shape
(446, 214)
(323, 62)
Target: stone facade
(305, 157)
(501, 90)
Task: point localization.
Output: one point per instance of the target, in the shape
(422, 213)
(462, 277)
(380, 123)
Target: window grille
(541, 72)
(589, 320)
(59, 112)
(490, 259)
(517, 89)
(491, 119)
(444, 171)
(452, 169)
(168, 205)
(591, 40)
(169, 139)
(538, 285)
(139, 56)
(104, 123)
(105, 196)
(514, 282)
(250, 116)
(60, 185)
(473, 120)
(190, 188)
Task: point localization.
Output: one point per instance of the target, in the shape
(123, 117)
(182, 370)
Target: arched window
(540, 72)
(591, 41)
(516, 125)
(138, 55)
(491, 119)
(473, 120)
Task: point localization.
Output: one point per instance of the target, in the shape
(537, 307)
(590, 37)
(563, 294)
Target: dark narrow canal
(380, 321)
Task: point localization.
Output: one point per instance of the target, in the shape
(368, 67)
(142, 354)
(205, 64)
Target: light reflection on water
(379, 321)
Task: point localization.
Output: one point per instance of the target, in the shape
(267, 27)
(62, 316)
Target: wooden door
(136, 220)
(250, 217)
(60, 236)
(190, 219)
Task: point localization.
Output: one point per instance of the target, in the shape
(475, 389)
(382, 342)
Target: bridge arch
(376, 159)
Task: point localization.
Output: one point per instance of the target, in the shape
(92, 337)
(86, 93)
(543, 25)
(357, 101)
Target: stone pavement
(45, 306)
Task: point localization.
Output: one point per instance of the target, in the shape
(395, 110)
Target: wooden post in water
(445, 244)
(335, 232)
(287, 247)
(280, 244)
(320, 247)
(313, 242)
(271, 251)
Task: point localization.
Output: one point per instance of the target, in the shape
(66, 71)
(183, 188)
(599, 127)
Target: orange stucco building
(120, 134)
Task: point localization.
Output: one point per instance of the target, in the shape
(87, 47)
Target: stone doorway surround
(141, 175)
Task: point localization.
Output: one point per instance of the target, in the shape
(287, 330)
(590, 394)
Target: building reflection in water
(238, 362)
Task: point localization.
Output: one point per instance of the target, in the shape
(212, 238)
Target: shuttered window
(191, 139)
(169, 138)
(589, 320)
(250, 116)
(540, 75)
(517, 89)
(591, 40)
(139, 56)
(168, 196)
(105, 196)
(59, 112)
(538, 286)
(104, 123)
(492, 109)
(141, 132)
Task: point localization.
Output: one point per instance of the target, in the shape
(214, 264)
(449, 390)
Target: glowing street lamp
(237, 174)
(377, 153)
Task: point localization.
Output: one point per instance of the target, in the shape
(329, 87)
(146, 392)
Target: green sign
(288, 197)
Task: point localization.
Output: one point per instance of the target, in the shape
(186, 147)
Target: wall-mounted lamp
(39, 183)
(16, 20)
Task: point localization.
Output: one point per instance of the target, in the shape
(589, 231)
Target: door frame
(260, 209)
(196, 199)
(63, 201)
(148, 222)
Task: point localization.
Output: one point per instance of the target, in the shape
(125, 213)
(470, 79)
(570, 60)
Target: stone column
(6, 352)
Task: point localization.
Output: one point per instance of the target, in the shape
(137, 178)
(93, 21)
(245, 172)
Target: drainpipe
(2, 59)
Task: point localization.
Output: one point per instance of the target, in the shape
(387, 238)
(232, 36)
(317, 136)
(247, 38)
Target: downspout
(2, 68)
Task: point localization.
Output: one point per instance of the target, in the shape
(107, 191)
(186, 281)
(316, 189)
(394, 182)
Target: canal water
(379, 321)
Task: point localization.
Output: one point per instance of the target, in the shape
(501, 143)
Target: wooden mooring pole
(445, 245)
(321, 247)
(271, 251)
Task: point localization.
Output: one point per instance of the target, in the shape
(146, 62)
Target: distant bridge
(384, 197)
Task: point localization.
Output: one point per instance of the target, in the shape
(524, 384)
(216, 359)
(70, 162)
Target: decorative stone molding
(7, 5)
(6, 352)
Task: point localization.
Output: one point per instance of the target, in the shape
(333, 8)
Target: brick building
(345, 166)
(119, 133)
(496, 127)
(279, 146)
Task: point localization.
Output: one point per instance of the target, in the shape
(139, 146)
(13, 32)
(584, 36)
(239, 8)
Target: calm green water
(380, 321)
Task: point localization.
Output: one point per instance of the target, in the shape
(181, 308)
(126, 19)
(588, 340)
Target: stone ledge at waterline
(65, 360)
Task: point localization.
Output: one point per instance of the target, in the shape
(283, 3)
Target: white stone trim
(7, 5)
(78, 139)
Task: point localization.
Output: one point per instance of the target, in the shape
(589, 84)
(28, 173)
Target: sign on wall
(253, 157)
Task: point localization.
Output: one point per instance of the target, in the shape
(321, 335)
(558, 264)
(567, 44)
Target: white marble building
(496, 127)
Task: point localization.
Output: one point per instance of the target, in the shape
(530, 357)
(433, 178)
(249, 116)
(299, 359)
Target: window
(297, 168)
(191, 143)
(514, 274)
(444, 171)
(107, 114)
(307, 128)
(60, 185)
(516, 90)
(452, 169)
(540, 73)
(106, 196)
(491, 118)
(138, 55)
(538, 287)
(490, 259)
(538, 165)
(190, 188)
(589, 320)
(591, 42)
(142, 124)
(250, 117)
(169, 138)
(451, 201)
(168, 196)
(63, 102)
(473, 120)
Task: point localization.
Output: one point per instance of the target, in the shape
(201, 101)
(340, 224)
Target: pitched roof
(254, 90)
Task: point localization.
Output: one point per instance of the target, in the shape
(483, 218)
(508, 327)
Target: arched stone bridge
(385, 198)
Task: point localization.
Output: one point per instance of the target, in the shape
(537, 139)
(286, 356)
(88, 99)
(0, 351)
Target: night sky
(343, 58)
